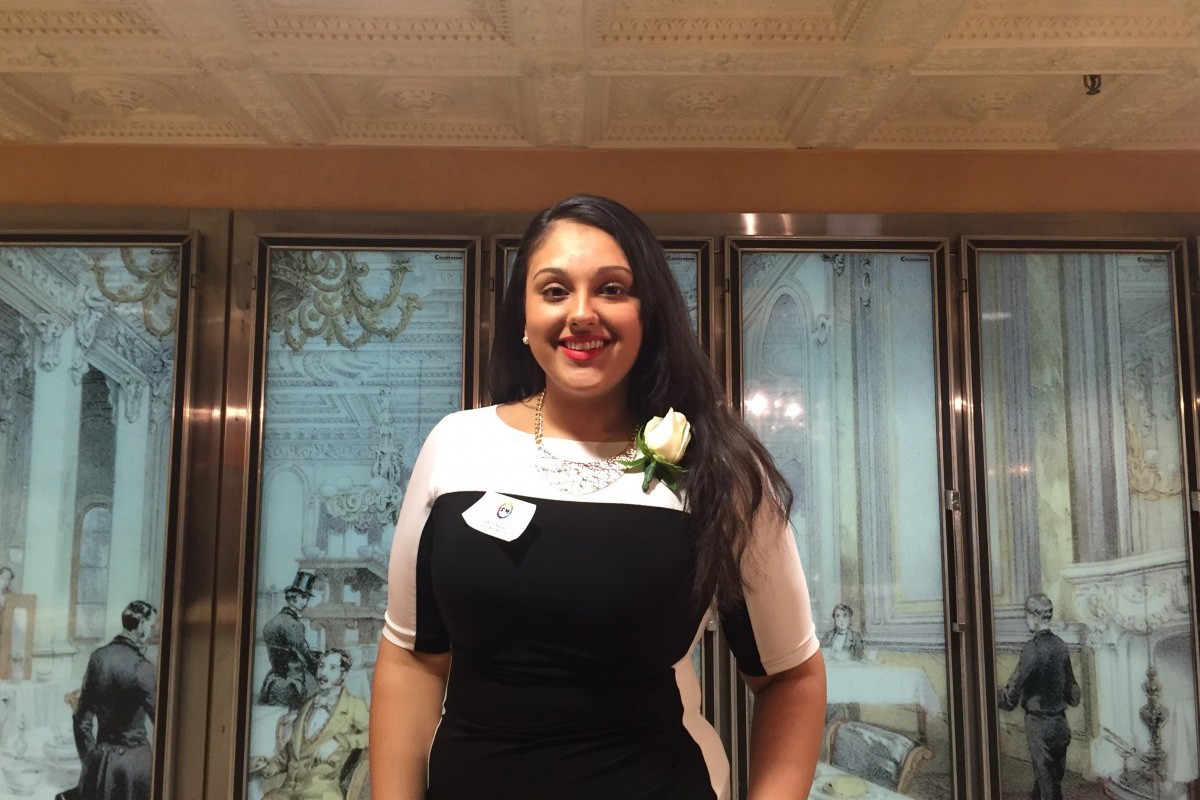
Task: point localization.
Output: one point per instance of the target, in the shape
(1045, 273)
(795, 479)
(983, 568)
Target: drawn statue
(115, 711)
(293, 664)
(1044, 685)
(323, 756)
(16, 632)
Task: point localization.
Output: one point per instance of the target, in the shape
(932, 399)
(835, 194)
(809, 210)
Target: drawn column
(12, 374)
(129, 541)
(53, 465)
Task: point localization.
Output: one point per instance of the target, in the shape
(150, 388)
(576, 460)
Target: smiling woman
(570, 624)
(582, 320)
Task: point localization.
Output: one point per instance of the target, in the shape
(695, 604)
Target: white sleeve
(774, 631)
(412, 620)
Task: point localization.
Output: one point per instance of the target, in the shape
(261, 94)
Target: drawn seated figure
(843, 643)
(322, 758)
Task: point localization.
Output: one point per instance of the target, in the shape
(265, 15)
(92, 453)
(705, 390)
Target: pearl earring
(524, 340)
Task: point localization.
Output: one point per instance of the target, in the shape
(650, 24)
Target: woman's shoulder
(470, 416)
(478, 425)
(469, 419)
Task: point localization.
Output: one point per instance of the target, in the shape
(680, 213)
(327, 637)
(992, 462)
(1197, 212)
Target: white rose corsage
(661, 443)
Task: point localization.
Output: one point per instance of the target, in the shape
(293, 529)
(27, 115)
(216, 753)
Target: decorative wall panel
(363, 352)
(1087, 517)
(90, 336)
(838, 359)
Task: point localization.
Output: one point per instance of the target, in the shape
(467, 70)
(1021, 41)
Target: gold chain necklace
(576, 477)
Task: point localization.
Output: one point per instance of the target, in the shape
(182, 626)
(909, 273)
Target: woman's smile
(583, 348)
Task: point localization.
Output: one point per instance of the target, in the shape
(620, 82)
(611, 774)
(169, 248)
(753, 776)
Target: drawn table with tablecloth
(827, 772)
(869, 683)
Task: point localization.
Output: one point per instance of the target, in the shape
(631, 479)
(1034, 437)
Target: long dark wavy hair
(730, 475)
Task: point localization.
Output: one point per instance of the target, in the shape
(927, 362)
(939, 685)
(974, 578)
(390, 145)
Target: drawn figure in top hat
(293, 675)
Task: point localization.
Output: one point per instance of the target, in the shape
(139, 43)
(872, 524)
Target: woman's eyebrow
(559, 272)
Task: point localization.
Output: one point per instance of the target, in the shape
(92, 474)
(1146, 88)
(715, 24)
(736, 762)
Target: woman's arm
(785, 738)
(406, 704)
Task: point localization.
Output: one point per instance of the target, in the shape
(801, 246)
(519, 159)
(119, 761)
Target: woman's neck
(600, 419)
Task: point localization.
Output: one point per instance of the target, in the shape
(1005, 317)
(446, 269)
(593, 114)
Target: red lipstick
(585, 354)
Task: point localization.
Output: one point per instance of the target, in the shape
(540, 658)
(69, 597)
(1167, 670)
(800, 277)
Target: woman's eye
(613, 289)
(554, 292)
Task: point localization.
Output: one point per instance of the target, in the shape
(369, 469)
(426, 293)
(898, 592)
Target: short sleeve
(412, 620)
(774, 630)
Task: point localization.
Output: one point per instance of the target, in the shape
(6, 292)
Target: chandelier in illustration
(371, 508)
(322, 293)
(155, 286)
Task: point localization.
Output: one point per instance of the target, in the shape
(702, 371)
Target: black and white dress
(571, 676)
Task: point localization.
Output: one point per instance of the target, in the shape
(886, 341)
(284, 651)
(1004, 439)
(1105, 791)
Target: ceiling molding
(832, 74)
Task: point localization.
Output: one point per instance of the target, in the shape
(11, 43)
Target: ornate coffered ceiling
(933, 74)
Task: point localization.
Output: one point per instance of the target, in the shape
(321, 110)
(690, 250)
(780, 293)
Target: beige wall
(647, 180)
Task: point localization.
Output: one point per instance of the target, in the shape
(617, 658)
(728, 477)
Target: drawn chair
(875, 754)
(355, 782)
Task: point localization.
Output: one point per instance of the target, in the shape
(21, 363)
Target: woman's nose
(582, 311)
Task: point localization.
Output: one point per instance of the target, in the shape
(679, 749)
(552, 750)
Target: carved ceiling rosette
(701, 97)
(122, 94)
(989, 99)
(416, 96)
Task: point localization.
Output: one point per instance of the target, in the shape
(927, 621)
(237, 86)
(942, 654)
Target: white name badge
(500, 516)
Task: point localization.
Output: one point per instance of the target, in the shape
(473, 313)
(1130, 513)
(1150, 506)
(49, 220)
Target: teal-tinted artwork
(87, 376)
(685, 266)
(839, 382)
(364, 356)
(1087, 524)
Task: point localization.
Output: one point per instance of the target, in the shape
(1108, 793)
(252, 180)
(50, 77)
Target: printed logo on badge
(500, 516)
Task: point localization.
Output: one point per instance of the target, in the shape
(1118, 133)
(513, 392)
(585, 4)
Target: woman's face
(581, 318)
